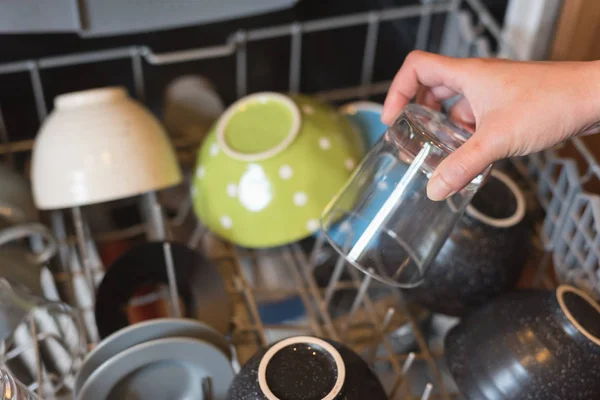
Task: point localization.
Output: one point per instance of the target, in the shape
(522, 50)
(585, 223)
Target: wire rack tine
(38, 90)
(304, 295)
(424, 26)
(373, 316)
(358, 300)
(137, 68)
(83, 249)
(241, 284)
(241, 69)
(427, 392)
(337, 272)
(387, 319)
(306, 269)
(401, 378)
(370, 50)
(295, 57)
(173, 291)
(5, 139)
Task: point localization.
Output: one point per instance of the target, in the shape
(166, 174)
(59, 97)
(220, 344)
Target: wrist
(588, 103)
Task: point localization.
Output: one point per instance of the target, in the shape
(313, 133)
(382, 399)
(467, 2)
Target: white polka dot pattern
(226, 222)
(324, 143)
(286, 172)
(232, 189)
(300, 199)
(349, 164)
(308, 110)
(312, 225)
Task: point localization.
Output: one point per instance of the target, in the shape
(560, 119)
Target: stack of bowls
(159, 359)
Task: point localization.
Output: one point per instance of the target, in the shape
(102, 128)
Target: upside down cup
(382, 221)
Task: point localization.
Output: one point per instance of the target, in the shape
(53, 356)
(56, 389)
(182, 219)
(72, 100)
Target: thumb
(464, 164)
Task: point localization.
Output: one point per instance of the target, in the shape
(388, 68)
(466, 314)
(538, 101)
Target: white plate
(144, 332)
(165, 368)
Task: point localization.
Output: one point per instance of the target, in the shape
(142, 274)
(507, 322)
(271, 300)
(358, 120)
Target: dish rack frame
(470, 30)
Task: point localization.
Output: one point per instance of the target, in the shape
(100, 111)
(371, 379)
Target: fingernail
(438, 189)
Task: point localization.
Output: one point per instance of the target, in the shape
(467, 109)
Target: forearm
(586, 106)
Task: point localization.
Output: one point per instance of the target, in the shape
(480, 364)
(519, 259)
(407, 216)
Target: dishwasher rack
(375, 311)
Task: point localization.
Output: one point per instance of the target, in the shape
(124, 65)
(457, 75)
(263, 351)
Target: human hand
(515, 108)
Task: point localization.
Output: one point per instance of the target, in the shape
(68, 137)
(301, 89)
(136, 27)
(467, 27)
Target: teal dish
(366, 116)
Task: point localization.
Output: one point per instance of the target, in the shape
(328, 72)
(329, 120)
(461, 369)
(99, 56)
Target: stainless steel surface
(377, 311)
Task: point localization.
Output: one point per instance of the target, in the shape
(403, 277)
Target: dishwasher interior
(403, 343)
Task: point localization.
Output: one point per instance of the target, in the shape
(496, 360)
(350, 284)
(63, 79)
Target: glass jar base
(374, 250)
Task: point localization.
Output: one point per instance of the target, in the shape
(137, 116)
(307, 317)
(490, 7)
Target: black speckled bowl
(484, 255)
(306, 368)
(529, 345)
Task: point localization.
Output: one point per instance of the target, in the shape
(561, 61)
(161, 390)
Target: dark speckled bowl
(306, 368)
(529, 345)
(484, 255)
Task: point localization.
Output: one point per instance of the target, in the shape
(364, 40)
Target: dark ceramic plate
(201, 289)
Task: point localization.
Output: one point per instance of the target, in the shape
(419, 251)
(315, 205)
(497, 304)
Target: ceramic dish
(273, 158)
(484, 255)
(366, 116)
(99, 145)
(145, 332)
(171, 368)
(306, 368)
(199, 285)
(530, 344)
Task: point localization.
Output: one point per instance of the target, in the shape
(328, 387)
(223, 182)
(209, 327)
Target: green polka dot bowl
(270, 165)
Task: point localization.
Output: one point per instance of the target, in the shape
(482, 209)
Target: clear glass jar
(382, 221)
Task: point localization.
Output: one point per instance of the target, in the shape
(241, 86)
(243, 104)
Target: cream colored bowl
(100, 145)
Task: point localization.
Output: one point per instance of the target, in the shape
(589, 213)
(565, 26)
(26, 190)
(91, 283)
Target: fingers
(463, 113)
(420, 68)
(464, 164)
(433, 97)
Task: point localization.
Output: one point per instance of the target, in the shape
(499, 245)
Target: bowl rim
(371, 106)
(507, 222)
(337, 358)
(278, 148)
(560, 293)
